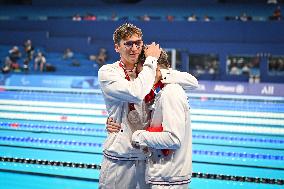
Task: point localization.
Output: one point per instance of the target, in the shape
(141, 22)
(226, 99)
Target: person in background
(40, 61)
(29, 50)
(77, 17)
(68, 54)
(100, 58)
(14, 56)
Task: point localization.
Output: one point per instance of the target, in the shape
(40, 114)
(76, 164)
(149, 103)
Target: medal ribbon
(130, 105)
(150, 96)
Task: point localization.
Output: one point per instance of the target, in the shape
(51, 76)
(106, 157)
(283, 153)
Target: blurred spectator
(199, 70)
(39, 61)
(68, 54)
(7, 67)
(114, 17)
(271, 1)
(77, 17)
(100, 58)
(170, 18)
(15, 54)
(280, 66)
(213, 67)
(277, 15)
(273, 66)
(201, 64)
(29, 50)
(26, 65)
(276, 66)
(244, 17)
(206, 18)
(243, 65)
(90, 17)
(233, 68)
(246, 69)
(145, 17)
(192, 18)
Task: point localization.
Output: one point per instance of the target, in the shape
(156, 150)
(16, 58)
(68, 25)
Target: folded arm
(173, 127)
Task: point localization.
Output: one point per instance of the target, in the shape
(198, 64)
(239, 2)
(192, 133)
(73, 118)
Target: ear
(116, 48)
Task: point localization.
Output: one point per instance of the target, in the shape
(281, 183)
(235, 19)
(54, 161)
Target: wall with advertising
(91, 83)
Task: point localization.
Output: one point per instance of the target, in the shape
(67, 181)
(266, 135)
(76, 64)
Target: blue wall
(220, 37)
(218, 31)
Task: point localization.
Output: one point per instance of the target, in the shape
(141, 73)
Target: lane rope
(96, 166)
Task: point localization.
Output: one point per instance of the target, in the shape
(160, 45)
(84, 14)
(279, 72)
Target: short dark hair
(125, 31)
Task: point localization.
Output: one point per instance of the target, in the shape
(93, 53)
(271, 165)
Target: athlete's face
(130, 49)
(158, 74)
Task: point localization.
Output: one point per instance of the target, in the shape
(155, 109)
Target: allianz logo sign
(267, 89)
(230, 89)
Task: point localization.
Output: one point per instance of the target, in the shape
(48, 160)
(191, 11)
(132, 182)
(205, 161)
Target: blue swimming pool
(50, 139)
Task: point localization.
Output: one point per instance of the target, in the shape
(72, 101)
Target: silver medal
(133, 117)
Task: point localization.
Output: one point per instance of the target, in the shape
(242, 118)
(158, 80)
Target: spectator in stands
(277, 15)
(199, 70)
(170, 18)
(244, 17)
(192, 18)
(15, 55)
(29, 50)
(26, 65)
(40, 61)
(232, 67)
(272, 66)
(246, 69)
(7, 67)
(145, 17)
(206, 18)
(77, 17)
(213, 67)
(280, 66)
(234, 70)
(100, 58)
(114, 17)
(90, 17)
(276, 66)
(272, 2)
(68, 54)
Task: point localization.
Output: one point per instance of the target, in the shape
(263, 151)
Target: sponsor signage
(51, 81)
(238, 88)
(84, 82)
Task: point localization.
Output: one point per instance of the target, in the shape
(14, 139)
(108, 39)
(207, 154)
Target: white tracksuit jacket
(171, 110)
(118, 92)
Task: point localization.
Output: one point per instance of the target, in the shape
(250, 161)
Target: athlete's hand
(111, 126)
(153, 50)
(135, 145)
